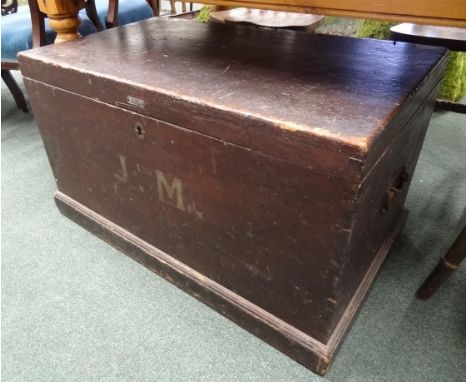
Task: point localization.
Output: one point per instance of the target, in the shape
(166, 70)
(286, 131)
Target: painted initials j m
(169, 191)
(123, 174)
(174, 189)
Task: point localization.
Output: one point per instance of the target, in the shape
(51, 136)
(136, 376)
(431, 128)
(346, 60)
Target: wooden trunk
(262, 171)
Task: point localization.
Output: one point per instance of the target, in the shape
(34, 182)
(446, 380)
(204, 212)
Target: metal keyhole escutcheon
(139, 131)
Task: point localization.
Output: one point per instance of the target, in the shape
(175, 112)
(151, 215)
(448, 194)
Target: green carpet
(75, 309)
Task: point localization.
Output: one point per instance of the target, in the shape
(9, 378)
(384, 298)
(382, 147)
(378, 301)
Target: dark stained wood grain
(375, 216)
(259, 82)
(275, 209)
(218, 181)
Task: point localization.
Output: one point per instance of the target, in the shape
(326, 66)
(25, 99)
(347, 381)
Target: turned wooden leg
(155, 6)
(63, 17)
(15, 90)
(112, 18)
(91, 12)
(173, 7)
(444, 269)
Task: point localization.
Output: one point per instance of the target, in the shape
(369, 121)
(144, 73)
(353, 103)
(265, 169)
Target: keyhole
(139, 131)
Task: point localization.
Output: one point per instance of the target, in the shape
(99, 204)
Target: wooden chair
(121, 12)
(8, 8)
(184, 7)
(25, 27)
(35, 36)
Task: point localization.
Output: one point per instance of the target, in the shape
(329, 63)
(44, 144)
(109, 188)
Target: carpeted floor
(75, 309)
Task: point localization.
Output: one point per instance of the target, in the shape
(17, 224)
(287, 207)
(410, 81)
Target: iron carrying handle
(395, 189)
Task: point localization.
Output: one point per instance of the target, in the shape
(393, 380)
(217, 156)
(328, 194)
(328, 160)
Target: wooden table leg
(444, 269)
(63, 17)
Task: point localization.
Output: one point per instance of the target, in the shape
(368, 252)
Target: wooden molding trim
(279, 334)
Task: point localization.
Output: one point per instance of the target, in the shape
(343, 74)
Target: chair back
(9, 6)
(38, 26)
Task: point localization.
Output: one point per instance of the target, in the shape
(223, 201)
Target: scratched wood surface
(274, 167)
(350, 88)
